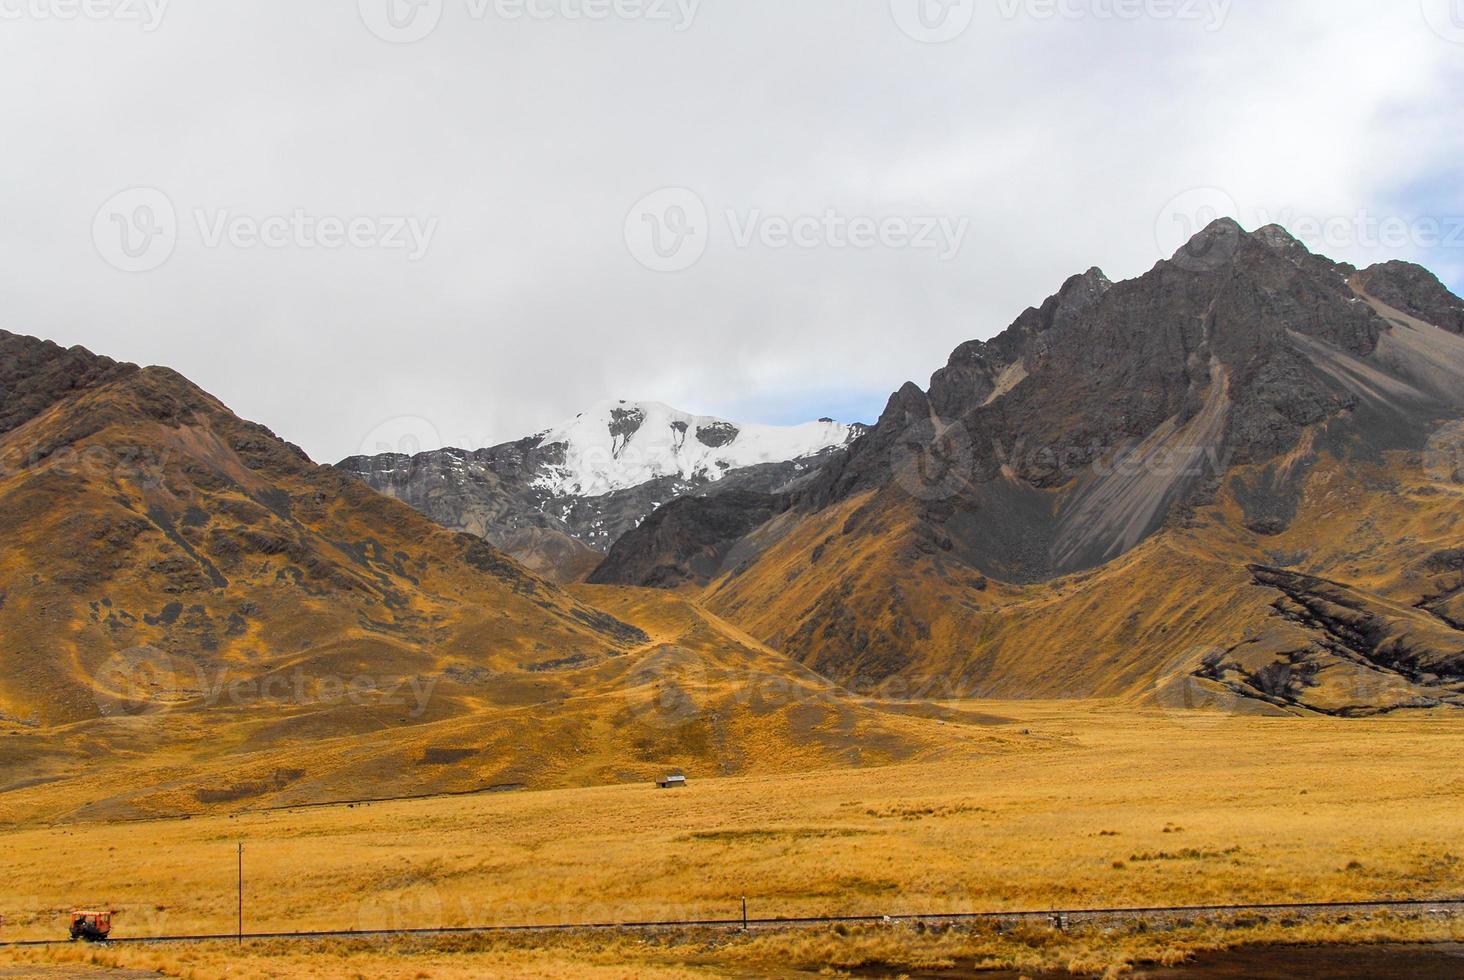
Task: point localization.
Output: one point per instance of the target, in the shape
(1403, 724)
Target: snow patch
(619, 445)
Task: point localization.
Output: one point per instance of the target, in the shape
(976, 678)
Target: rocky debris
(1352, 622)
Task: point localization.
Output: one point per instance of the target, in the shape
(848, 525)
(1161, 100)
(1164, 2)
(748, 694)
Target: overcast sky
(482, 216)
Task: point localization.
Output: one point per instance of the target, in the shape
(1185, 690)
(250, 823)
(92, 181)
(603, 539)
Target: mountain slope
(558, 501)
(146, 514)
(1074, 507)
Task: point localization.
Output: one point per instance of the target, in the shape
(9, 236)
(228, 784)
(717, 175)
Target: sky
(377, 225)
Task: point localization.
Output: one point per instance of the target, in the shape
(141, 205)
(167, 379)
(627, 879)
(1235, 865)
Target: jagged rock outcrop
(1352, 623)
(1191, 411)
(35, 374)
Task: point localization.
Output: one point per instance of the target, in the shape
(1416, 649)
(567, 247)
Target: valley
(1033, 805)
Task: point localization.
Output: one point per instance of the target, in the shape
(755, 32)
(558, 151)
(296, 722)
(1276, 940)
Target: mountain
(1235, 477)
(559, 500)
(195, 616)
(139, 512)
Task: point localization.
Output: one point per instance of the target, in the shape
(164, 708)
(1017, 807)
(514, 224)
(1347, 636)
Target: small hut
(672, 782)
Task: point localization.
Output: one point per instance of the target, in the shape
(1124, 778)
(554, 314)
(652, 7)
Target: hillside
(1234, 479)
(144, 514)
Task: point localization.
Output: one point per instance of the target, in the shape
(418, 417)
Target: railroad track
(1059, 918)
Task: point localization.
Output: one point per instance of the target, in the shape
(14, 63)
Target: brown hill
(142, 513)
(1074, 508)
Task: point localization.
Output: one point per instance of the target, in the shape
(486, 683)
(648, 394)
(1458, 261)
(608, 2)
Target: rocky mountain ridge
(1203, 402)
(559, 500)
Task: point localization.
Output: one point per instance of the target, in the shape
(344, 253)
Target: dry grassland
(1092, 806)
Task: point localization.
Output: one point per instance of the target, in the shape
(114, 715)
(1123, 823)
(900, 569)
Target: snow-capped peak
(618, 445)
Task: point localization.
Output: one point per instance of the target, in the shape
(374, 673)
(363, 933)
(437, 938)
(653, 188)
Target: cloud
(529, 139)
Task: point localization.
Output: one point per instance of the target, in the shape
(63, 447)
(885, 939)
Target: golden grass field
(1078, 805)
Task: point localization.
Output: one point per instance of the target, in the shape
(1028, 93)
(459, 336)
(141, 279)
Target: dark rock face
(626, 422)
(552, 554)
(687, 541)
(717, 435)
(484, 493)
(1415, 291)
(1352, 623)
(1223, 355)
(36, 374)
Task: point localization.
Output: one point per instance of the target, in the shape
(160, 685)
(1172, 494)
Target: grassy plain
(1082, 806)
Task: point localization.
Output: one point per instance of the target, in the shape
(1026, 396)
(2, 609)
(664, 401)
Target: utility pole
(241, 893)
(744, 913)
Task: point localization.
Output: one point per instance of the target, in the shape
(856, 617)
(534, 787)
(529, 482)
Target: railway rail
(1060, 918)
